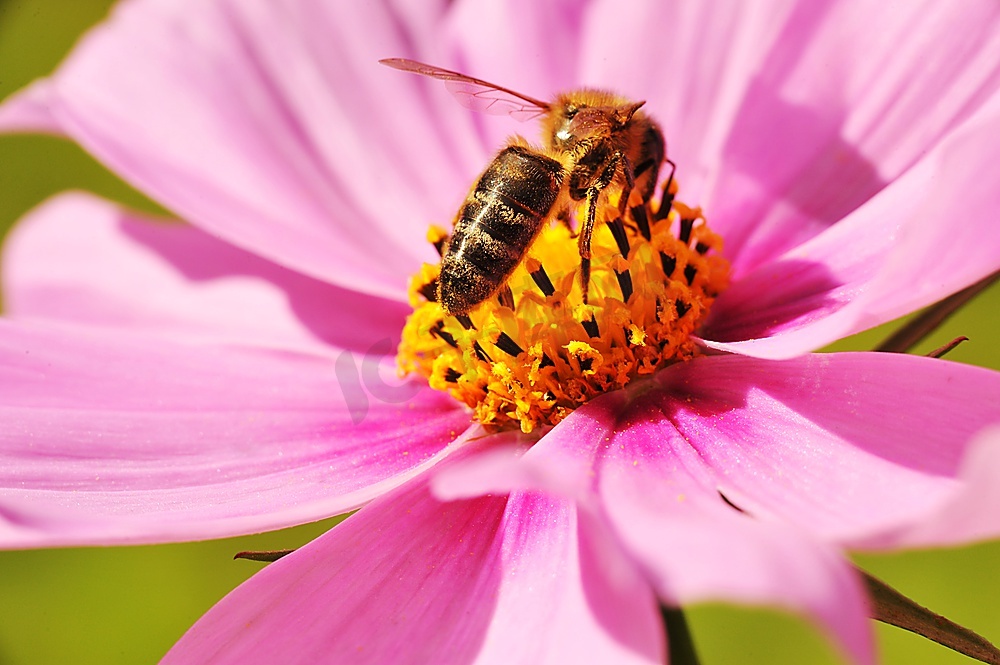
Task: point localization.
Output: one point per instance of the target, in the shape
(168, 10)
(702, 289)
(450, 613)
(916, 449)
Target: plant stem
(680, 645)
(928, 321)
(891, 607)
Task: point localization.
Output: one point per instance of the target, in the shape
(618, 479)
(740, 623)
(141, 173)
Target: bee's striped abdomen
(497, 223)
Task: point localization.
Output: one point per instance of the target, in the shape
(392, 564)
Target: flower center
(536, 351)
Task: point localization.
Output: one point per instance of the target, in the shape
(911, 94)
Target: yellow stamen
(530, 366)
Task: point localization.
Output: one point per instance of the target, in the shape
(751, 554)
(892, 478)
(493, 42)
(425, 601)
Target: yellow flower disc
(529, 356)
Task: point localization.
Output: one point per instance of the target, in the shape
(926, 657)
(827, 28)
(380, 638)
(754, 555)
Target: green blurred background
(129, 604)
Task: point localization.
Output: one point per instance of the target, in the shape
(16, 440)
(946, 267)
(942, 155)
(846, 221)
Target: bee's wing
(481, 96)
(476, 94)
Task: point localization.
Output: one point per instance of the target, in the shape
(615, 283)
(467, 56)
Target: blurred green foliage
(129, 604)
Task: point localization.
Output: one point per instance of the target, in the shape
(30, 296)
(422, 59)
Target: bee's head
(585, 115)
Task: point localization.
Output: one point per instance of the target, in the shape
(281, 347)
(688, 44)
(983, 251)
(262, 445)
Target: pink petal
(275, 128)
(83, 260)
(848, 446)
(412, 580)
(691, 62)
(508, 465)
(114, 437)
(924, 237)
(973, 512)
(662, 502)
(857, 448)
(543, 63)
(820, 132)
(696, 549)
(29, 111)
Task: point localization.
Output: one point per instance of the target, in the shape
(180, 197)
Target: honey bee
(593, 140)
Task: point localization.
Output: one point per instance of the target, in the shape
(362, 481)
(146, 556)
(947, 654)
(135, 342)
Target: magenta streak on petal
(694, 548)
(857, 448)
(863, 449)
(661, 498)
(848, 446)
(114, 437)
(411, 580)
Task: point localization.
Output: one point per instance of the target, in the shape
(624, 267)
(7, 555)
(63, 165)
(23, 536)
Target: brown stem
(946, 348)
(928, 321)
(266, 556)
(680, 646)
(891, 607)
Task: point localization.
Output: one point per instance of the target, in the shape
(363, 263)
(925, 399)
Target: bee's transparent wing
(476, 94)
(492, 100)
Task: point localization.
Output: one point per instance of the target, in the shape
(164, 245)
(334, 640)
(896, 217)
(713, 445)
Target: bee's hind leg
(586, 233)
(593, 194)
(627, 187)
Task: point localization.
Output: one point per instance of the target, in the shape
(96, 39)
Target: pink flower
(167, 382)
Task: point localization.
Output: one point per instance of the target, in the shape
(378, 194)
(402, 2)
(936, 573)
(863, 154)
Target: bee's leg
(627, 187)
(586, 232)
(667, 201)
(594, 190)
